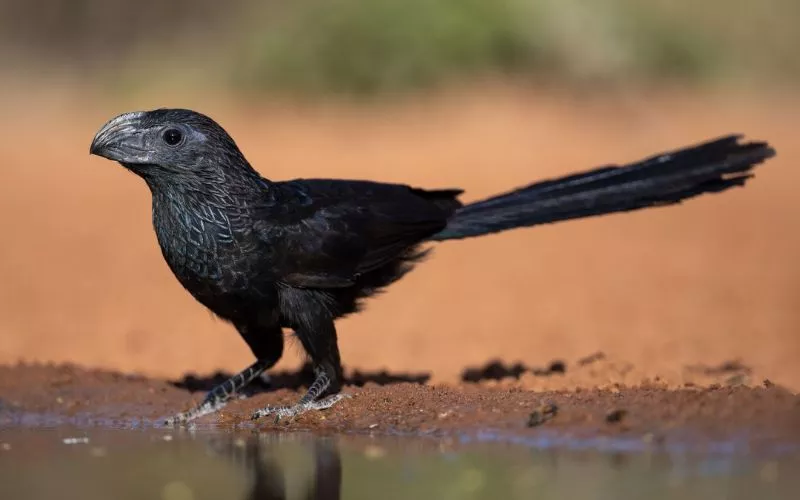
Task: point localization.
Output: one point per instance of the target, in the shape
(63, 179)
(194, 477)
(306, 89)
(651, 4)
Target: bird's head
(168, 143)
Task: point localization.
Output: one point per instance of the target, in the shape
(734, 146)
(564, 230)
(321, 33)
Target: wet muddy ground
(731, 416)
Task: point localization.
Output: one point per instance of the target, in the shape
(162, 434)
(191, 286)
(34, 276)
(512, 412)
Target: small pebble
(168, 437)
(615, 416)
(5, 447)
(542, 414)
(372, 426)
(76, 440)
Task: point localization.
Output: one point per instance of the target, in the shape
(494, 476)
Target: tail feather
(664, 179)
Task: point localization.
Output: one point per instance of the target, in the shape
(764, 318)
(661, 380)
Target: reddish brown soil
(652, 414)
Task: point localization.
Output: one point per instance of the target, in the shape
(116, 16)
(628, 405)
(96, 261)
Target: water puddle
(88, 463)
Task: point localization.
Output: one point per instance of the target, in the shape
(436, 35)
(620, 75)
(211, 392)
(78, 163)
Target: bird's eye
(172, 136)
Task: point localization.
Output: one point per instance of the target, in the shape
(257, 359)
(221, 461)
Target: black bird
(266, 255)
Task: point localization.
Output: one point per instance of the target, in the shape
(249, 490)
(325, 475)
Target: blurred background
(484, 95)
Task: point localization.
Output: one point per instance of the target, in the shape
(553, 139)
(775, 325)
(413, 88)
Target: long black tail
(665, 179)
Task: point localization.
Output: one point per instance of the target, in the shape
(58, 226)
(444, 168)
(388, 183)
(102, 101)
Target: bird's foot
(221, 394)
(205, 408)
(292, 411)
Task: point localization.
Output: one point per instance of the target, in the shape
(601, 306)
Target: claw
(205, 408)
(298, 409)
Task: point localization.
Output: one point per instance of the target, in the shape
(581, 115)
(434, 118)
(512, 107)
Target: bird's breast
(204, 250)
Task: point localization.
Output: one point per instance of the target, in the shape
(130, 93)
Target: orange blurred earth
(712, 280)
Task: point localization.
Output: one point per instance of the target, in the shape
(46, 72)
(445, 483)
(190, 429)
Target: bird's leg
(318, 336)
(265, 340)
(308, 402)
(221, 394)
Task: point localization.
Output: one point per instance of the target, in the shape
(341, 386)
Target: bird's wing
(325, 233)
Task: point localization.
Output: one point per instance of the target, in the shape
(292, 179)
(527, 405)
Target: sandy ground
(728, 417)
(673, 296)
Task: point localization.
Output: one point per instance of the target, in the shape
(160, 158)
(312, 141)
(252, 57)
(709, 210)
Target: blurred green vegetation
(364, 47)
(371, 47)
(359, 47)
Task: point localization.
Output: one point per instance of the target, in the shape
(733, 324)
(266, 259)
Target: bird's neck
(215, 204)
(213, 187)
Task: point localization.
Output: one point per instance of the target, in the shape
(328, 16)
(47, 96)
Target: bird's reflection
(257, 455)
